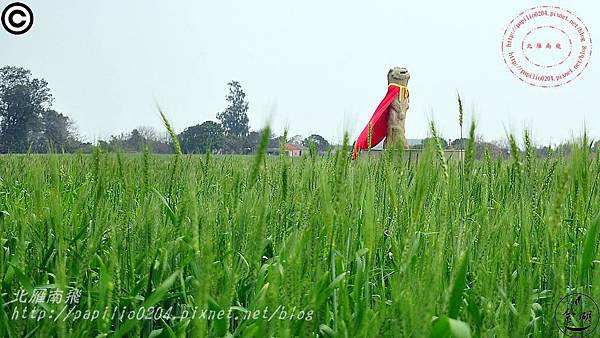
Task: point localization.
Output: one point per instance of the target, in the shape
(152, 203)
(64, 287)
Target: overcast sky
(313, 66)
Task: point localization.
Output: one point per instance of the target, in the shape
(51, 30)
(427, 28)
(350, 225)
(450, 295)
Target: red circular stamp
(546, 46)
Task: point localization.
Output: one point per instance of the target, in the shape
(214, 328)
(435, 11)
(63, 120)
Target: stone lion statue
(398, 108)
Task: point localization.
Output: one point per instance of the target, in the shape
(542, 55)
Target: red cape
(378, 122)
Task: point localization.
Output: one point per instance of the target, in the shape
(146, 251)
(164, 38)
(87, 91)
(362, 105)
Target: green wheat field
(317, 246)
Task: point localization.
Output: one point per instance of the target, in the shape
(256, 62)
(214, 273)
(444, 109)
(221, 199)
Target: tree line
(27, 121)
(29, 124)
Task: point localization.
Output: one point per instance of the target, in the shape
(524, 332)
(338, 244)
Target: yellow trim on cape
(403, 90)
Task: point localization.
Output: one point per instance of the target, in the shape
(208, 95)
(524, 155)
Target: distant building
(294, 149)
(291, 149)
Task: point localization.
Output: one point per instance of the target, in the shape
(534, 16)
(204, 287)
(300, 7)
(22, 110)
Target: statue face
(398, 75)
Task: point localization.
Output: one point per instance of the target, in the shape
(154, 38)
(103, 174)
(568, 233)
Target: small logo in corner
(547, 46)
(577, 315)
(17, 18)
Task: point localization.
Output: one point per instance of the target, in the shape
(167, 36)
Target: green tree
(137, 139)
(56, 130)
(252, 142)
(432, 139)
(23, 100)
(157, 142)
(459, 143)
(200, 138)
(135, 142)
(320, 142)
(234, 119)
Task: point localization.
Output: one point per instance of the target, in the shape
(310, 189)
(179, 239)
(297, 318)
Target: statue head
(399, 76)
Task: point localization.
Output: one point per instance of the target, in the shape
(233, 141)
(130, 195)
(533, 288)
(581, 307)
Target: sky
(311, 66)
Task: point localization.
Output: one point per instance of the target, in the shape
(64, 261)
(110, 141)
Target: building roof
(292, 146)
